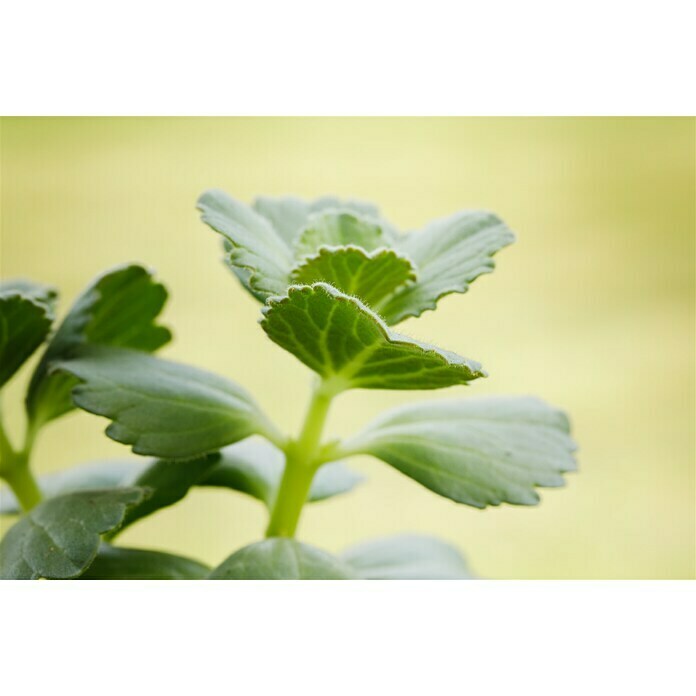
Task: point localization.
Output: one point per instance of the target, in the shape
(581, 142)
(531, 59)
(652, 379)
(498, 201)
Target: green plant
(333, 278)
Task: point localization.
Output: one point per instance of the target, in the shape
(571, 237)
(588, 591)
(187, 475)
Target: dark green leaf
(168, 482)
(115, 563)
(348, 345)
(255, 467)
(281, 559)
(163, 408)
(448, 254)
(289, 215)
(369, 276)
(116, 473)
(60, 537)
(118, 309)
(480, 452)
(260, 254)
(25, 322)
(406, 557)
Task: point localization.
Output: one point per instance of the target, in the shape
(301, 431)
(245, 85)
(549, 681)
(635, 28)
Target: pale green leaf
(60, 537)
(337, 229)
(369, 276)
(481, 452)
(281, 559)
(45, 294)
(255, 467)
(117, 563)
(342, 340)
(406, 557)
(25, 322)
(163, 408)
(289, 214)
(261, 255)
(448, 254)
(119, 309)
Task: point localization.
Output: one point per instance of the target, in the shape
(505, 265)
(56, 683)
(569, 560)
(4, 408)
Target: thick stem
(300, 467)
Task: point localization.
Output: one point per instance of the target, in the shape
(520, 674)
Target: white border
(364, 57)
(348, 638)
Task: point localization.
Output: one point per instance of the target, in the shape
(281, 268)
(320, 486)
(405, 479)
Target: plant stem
(23, 483)
(300, 466)
(14, 468)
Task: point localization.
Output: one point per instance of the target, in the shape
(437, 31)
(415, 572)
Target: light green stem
(14, 468)
(301, 463)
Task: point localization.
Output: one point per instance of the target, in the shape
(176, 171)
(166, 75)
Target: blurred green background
(592, 309)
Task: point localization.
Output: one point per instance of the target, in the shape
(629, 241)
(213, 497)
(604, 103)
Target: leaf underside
(480, 452)
(255, 467)
(60, 537)
(162, 408)
(406, 557)
(343, 341)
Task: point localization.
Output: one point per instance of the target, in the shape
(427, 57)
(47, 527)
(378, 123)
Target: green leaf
(406, 557)
(118, 309)
(59, 538)
(289, 215)
(448, 254)
(281, 559)
(45, 294)
(255, 467)
(116, 473)
(260, 254)
(338, 229)
(342, 340)
(116, 563)
(480, 452)
(163, 408)
(25, 321)
(369, 276)
(168, 482)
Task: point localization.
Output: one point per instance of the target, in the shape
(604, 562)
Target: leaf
(337, 229)
(116, 563)
(25, 322)
(338, 337)
(163, 408)
(118, 309)
(59, 538)
(45, 294)
(370, 276)
(261, 255)
(281, 559)
(289, 215)
(448, 254)
(479, 452)
(105, 474)
(406, 557)
(255, 467)
(168, 482)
